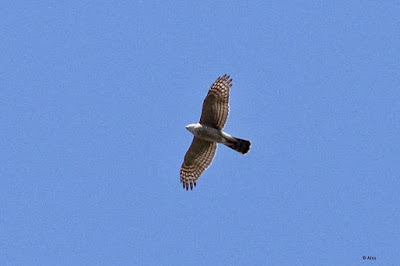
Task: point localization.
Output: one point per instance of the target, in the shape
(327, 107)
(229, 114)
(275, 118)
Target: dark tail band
(240, 145)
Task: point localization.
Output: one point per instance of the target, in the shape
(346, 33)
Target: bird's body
(214, 135)
(208, 132)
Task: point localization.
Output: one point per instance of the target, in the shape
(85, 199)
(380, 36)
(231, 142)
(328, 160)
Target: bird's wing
(197, 159)
(216, 104)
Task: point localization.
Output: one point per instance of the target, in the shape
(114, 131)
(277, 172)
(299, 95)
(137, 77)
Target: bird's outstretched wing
(216, 104)
(197, 159)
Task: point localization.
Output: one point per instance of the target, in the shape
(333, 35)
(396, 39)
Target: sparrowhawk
(208, 132)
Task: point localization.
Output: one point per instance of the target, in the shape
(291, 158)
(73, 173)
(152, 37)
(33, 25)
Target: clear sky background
(95, 96)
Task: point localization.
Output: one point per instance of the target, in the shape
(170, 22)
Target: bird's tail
(240, 145)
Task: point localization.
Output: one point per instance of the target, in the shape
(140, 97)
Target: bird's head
(191, 127)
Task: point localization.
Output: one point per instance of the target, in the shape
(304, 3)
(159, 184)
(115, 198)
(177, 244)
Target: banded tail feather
(239, 145)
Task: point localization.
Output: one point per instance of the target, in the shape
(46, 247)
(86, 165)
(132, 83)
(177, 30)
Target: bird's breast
(209, 133)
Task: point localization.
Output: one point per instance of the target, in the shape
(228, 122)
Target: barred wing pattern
(197, 159)
(216, 105)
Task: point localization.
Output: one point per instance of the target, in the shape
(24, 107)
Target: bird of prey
(208, 132)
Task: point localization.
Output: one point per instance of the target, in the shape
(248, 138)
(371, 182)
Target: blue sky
(95, 96)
